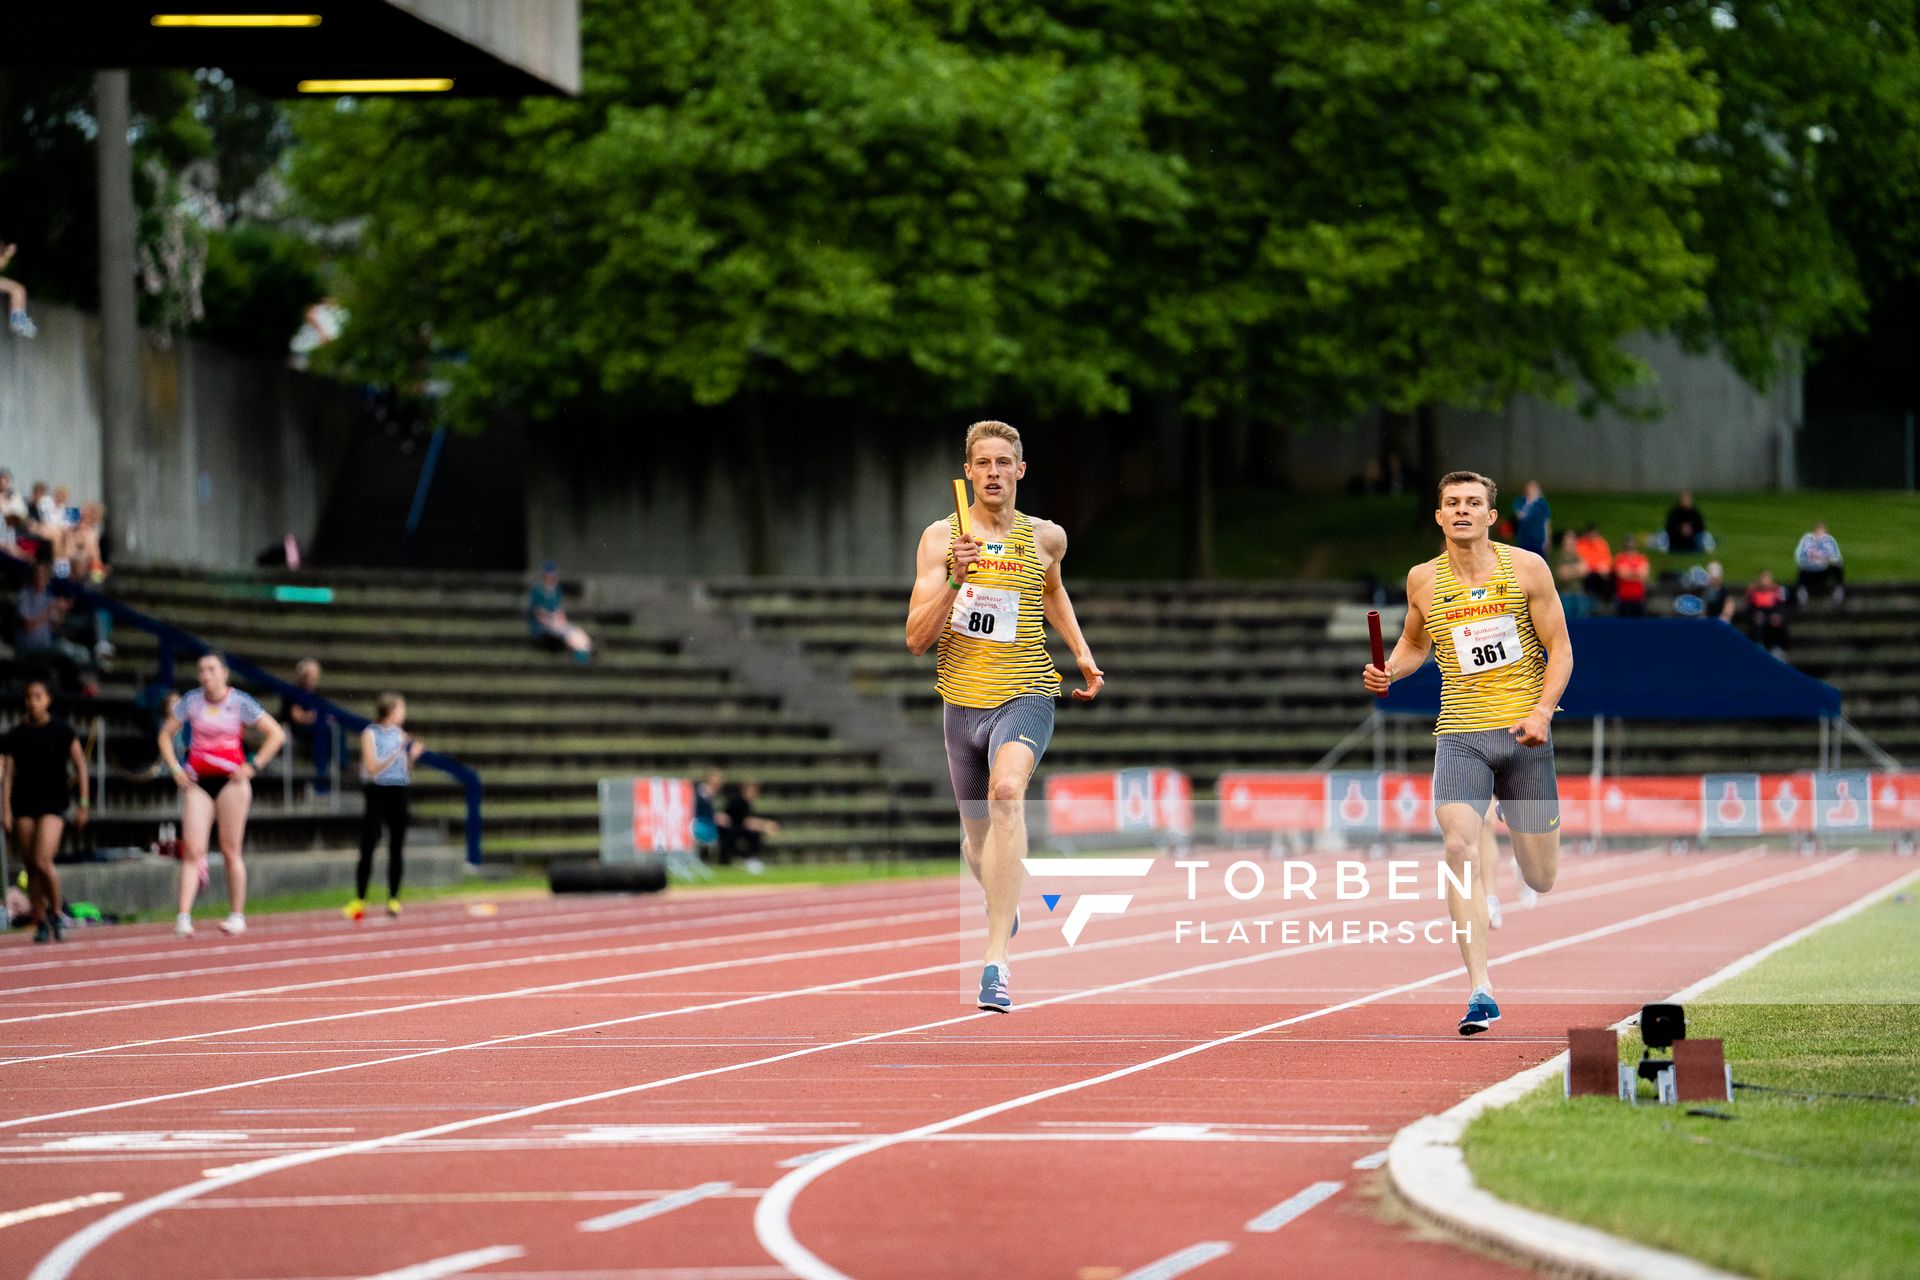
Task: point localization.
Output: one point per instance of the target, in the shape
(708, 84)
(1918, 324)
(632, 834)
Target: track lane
(844, 1090)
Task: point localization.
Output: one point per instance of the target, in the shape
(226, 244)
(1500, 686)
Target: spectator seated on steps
(1818, 560)
(547, 620)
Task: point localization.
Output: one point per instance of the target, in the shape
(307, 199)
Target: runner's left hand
(1534, 730)
(80, 818)
(1094, 676)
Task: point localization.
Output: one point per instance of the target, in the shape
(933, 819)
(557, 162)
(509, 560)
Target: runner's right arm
(933, 591)
(167, 730)
(1410, 651)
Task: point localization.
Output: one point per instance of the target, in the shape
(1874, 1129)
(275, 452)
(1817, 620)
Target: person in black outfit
(310, 728)
(1686, 527)
(33, 800)
(744, 833)
(387, 754)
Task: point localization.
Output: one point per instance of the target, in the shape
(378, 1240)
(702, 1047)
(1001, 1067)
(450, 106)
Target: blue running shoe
(1482, 1013)
(993, 990)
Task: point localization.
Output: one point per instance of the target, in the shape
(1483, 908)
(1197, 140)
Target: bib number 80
(980, 623)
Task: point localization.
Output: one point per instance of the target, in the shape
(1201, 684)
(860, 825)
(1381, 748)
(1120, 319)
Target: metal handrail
(172, 638)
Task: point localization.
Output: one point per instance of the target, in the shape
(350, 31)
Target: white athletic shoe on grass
(183, 925)
(235, 923)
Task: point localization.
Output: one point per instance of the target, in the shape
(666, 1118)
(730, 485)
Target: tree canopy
(1252, 206)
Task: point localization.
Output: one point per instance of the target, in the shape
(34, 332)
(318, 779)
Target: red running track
(750, 1085)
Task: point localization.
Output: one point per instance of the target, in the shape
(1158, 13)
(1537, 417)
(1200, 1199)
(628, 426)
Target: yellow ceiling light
(236, 19)
(418, 84)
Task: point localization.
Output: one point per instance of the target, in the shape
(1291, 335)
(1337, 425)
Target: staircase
(475, 510)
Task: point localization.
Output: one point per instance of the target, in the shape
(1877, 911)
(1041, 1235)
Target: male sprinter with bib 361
(1492, 616)
(986, 599)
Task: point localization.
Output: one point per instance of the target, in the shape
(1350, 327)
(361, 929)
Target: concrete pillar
(119, 318)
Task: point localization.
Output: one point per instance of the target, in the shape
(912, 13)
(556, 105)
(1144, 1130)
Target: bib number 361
(1486, 644)
(986, 613)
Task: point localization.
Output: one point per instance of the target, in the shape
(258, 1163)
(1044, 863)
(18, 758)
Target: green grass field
(1791, 1187)
(1261, 534)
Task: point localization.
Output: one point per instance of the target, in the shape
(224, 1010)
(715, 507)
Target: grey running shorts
(1473, 768)
(975, 736)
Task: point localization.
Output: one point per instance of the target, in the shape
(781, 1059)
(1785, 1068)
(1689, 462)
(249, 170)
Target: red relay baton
(1379, 649)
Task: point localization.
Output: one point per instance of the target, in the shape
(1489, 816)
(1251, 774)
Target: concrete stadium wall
(1715, 431)
(656, 500)
(50, 404)
(673, 498)
(234, 452)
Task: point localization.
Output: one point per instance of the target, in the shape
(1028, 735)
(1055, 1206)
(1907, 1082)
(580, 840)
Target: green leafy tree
(1394, 203)
(215, 255)
(749, 199)
(1815, 212)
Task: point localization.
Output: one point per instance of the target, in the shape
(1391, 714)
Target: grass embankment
(1262, 534)
(1793, 1186)
(479, 890)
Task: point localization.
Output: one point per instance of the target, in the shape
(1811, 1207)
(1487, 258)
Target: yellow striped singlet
(995, 644)
(1493, 667)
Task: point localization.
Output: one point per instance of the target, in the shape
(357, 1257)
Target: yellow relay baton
(963, 508)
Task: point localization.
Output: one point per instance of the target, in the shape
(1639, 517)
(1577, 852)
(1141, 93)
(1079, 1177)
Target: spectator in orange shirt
(1630, 571)
(1597, 556)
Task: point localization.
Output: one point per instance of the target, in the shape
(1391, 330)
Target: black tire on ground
(649, 876)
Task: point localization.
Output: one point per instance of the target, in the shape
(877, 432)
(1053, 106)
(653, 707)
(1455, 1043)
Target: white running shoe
(1528, 896)
(1493, 912)
(234, 923)
(183, 925)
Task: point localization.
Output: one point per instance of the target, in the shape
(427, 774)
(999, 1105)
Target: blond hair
(996, 430)
(1452, 478)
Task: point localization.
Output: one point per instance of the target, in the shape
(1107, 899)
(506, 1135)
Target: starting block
(1594, 1068)
(1697, 1071)
(1700, 1072)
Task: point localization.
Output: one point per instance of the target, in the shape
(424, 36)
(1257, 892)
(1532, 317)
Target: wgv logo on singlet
(1003, 556)
(1478, 593)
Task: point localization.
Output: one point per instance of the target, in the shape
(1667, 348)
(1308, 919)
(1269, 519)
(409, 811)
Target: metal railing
(174, 640)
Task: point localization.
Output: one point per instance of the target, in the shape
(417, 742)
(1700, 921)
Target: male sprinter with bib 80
(983, 599)
(1492, 616)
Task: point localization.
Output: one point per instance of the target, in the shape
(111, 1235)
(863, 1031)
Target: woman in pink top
(215, 781)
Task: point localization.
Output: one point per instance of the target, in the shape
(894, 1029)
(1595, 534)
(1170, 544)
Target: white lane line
(449, 1197)
(454, 1264)
(1178, 1264)
(1295, 1205)
(654, 1208)
(563, 937)
(550, 938)
(515, 962)
(60, 1263)
(772, 1222)
(54, 1208)
(1371, 1161)
(330, 984)
(545, 915)
(1617, 886)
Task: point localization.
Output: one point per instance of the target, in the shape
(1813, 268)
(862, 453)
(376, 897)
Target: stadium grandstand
(772, 641)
